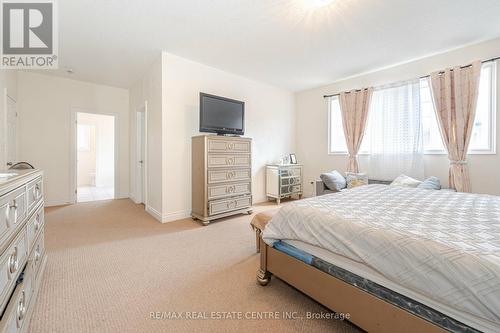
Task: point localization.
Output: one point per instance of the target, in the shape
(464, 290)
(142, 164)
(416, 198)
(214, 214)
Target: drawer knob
(37, 222)
(13, 262)
(36, 192)
(231, 204)
(230, 160)
(13, 207)
(230, 146)
(21, 309)
(230, 175)
(230, 189)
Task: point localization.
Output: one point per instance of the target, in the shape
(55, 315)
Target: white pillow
(405, 181)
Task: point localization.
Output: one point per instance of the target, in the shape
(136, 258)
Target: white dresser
(283, 181)
(22, 251)
(221, 176)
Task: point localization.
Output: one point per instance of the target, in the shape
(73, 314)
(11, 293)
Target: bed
(394, 258)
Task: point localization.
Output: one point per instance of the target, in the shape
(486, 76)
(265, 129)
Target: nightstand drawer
(290, 181)
(290, 171)
(228, 146)
(291, 189)
(227, 190)
(227, 205)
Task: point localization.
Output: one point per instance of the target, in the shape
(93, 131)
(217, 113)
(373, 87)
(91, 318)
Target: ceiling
(294, 44)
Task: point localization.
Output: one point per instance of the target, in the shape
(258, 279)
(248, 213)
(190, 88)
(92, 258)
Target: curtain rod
(421, 77)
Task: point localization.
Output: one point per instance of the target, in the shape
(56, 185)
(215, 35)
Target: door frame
(4, 149)
(74, 152)
(144, 109)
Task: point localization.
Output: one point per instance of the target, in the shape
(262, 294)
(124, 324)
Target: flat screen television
(221, 115)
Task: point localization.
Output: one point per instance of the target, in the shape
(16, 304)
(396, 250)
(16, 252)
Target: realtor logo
(29, 35)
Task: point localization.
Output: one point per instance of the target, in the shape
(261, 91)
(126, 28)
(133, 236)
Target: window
(336, 131)
(483, 133)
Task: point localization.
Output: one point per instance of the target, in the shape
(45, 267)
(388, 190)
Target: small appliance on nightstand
(283, 181)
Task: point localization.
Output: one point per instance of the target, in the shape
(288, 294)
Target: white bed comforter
(442, 244)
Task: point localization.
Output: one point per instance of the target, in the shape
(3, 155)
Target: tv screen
(221, 115)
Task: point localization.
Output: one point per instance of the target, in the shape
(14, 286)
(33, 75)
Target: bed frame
(366, 311)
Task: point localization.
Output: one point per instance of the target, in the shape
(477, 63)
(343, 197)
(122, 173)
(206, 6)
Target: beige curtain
(354, 108)
(455, 99)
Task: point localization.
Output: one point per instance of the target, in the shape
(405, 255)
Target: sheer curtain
(394, 135)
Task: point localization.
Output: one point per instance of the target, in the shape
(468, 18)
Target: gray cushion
(431, 183)
(333, 180)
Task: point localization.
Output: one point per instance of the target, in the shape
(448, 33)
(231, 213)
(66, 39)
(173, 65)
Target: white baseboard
(169, 217)
(134, 199)
(154, 213)
(174, 216)
(52, 203)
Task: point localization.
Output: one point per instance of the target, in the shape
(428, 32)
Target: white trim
(170, 217)
(175, 216)
(153, 212)
(53, 203)
(3, 131)
(73, 151)
(146, 156)
(141, 108)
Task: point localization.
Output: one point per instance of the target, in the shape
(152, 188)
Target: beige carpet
(110, 265)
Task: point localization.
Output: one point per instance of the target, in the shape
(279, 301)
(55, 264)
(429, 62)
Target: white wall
(149, 89)
(269, 121)
(312, 119)
(8, 81)
(46, 104)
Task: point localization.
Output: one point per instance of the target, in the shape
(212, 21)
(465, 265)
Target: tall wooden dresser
(221, 176)
(22, 252)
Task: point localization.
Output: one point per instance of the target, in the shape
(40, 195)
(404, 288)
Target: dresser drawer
(228, 146)
(227, 190)
(12, 212)
(35, 225)
(36, 256)
(222, 176)
(34, 193)
(13, 318)
(227, 205)
(291, 189)
(11, 263)
(228, 160)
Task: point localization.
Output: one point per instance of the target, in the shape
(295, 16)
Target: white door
(140, 149)
(11, 137)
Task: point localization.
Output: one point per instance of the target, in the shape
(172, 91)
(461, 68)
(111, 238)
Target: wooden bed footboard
(365, 310)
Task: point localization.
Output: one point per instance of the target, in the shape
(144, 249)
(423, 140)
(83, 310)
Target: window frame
(493, 122)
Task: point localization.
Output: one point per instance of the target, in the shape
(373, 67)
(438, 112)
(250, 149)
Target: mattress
(442, 315)
(440, 247)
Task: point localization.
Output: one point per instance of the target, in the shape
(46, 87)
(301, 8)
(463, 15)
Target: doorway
(95, 160)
